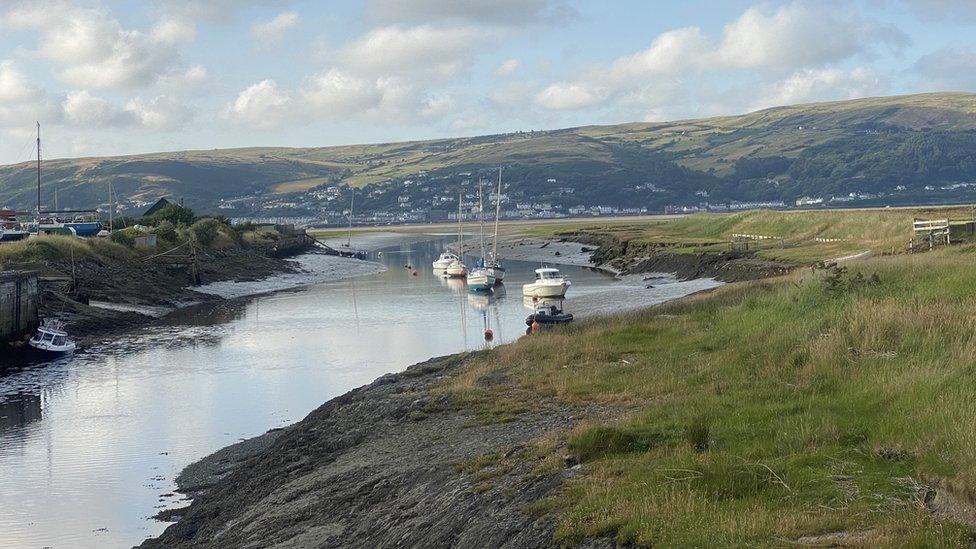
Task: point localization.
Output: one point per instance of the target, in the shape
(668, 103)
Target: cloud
(435, 51)
(14, 85)
(271, 32)
(161, 113)
(507, 67)
(800, 34)
(93, 50)
(762, 42)
(946, 69)
(821, 85)
(261, 105)
(483, 12)
(186, 82)
(568, 95)
(81, 108)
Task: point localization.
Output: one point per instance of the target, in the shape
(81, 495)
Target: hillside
(909, 149)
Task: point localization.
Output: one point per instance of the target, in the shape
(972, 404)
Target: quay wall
(19, 300)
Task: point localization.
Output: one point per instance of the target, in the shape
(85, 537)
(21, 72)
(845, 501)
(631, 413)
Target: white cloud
(214, 10)
(800, 34)
(261, 105)
(271, 32)
(81, 108)
(14, 85)
(436, 51)
(186, 82)
(507, 67)
(798, 38)
(161, 113)
(93, 50)
(821, 85)
(336, 94)
(569, 95)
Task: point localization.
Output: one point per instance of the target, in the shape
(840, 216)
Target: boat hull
(480, 281)
(12, 236)
(498, 273)
(85, 228)
(545, 290)
(456, 270)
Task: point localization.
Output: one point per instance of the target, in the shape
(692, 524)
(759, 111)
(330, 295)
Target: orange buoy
(489, 335)
(536, 326)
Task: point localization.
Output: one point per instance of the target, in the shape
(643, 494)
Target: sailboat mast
(481, 216)
(460, 251)
(352, 204)
(498, 211)
(38, 175)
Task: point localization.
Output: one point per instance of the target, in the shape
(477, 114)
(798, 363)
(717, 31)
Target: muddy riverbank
(393, 463)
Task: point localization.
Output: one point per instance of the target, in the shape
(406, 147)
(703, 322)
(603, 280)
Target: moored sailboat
(493, 263)
(479, 278)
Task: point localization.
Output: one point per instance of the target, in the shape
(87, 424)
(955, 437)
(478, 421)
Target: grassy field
(827, 403)
(852, 231)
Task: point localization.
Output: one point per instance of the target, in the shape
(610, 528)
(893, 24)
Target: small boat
(456, 269)
(480, 280)
(548, 283)
(445, 260)
(51, 338)
(12, 235)
(548, 314)
(83, 226)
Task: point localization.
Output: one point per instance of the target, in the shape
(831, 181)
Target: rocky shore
(393, 464)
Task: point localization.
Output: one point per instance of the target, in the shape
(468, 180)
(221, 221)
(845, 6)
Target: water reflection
(19, 410)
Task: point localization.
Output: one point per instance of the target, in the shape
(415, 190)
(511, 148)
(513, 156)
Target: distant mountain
(917, 148)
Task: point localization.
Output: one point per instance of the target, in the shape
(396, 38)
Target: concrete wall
(18, 304)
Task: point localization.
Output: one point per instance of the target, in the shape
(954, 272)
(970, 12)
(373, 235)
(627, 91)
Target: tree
(174, 213)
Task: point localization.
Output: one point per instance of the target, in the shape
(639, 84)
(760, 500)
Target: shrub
(121, 237)
(174, 213)
(166, 230)
(205, 231)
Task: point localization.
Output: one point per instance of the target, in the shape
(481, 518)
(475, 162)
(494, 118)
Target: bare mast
(38, 176)
(352, 204)
(498, 210)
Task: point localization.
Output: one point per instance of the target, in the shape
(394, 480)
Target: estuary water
(90, 444)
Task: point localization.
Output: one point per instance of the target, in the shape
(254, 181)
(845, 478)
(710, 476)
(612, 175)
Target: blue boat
(83, 228)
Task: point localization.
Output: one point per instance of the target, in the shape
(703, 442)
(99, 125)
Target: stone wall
(18, 304)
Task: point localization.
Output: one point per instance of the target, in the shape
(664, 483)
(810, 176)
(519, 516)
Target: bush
(174, 213)
(121, 237)
(205, 231)
(165, 231)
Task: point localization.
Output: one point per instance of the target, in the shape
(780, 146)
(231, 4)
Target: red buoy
(489, 335)
(536, 326)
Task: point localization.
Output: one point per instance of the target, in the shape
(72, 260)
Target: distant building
(159, 205)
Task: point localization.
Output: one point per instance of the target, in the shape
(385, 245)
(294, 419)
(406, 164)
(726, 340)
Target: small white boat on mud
(51, 338)
(445, 261)
(549, 282)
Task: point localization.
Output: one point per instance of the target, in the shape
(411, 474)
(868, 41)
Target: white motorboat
(51, 338)
(445, 260)
(549, 282)
(480, 280)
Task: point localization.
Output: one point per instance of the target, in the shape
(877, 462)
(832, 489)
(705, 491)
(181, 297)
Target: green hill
(886, 149)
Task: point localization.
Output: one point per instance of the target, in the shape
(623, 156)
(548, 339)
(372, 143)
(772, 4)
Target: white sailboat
(479, 279)
(456, 268)
(493, 263)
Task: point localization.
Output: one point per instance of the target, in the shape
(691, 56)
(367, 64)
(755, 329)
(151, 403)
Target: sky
(112, 77)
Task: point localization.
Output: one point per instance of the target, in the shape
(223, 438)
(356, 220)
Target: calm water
(90, 445)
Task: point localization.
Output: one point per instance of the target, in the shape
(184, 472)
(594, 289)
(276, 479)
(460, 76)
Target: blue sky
(107, 77)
